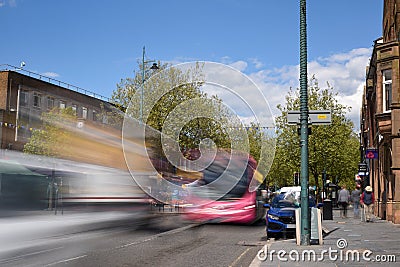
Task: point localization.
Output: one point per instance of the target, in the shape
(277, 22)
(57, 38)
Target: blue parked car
(280, 218)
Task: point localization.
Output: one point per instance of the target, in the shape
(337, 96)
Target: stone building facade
(380, 116)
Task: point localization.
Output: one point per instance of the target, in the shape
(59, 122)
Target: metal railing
(7, 67)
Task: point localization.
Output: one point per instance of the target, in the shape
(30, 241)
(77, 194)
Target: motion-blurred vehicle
(241, 204)
(32, 182)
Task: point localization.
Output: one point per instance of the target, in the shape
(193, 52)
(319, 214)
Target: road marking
(241, 255)
(252, 243)
(66, 260)
(29, 254)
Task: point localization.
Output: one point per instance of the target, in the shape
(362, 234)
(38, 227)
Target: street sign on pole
(371, 153)
(315, 117)
(363, 169)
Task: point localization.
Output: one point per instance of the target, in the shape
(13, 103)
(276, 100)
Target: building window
(50, 103)
(84, 113)
(62, 104)
(387, 90)
(23, 98)
(37, 100)
(74, 108)
(94, 115)
(24, 131)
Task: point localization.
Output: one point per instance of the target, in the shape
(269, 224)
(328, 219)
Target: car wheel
(270, 235)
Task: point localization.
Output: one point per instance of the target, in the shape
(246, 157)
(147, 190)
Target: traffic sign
(371, 153)
(315, 117)
(362, 167)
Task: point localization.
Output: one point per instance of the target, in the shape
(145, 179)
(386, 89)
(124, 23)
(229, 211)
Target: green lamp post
(305, 215)
(153, 67)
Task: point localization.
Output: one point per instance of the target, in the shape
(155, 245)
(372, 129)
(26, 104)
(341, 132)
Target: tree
(168, 94)
(333, 148)
(111, 115)
(52, 138)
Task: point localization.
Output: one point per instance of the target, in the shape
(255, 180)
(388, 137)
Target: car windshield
(289, 200)
(285, 201)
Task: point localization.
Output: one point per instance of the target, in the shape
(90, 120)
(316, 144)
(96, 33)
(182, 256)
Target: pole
(364, 178)
(17, 114)
(362, 159)
(141, 89)
(305, 216)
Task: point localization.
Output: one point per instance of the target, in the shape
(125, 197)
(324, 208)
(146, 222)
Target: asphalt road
(168, 242)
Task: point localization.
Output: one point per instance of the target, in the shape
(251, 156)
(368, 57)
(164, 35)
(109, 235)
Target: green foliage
(111, 116)
(166, 92)
(174, 104)
(50, 140)
(333, 148)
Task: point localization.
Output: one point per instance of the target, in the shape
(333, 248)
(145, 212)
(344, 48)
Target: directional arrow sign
(315, 117)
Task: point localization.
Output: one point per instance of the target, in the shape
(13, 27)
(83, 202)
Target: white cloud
(345, 72)
(354, 101)
(226, 60)
(344, 57)
(257, 63)
(239, 65)
(11, 3)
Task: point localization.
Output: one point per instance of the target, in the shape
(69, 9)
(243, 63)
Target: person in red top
(368, 200)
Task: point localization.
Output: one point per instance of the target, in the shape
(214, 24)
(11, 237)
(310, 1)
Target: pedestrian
(368, 200)
(355, 199)
(343, 199)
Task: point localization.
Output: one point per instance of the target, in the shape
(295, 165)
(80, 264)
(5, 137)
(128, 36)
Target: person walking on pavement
(368, 200)
(343, 199)
(355, 199)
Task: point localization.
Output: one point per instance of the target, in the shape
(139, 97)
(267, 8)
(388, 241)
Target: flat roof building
(24, 97)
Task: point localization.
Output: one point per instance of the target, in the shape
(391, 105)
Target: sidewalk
(353, 243)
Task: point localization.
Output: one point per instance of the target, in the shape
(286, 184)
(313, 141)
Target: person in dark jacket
(368, 200)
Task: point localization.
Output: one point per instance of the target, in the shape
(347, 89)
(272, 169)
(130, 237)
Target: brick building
(380, 116)
(88, 166)
(24, 96)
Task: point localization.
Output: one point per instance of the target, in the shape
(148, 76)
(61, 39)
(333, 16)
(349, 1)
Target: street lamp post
(153, 67)
(362, 159)
(305, 216)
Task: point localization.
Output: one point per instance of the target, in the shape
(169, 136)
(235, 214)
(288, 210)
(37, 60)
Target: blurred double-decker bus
(227, 191)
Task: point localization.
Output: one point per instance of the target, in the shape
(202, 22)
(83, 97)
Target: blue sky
(93, 44)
